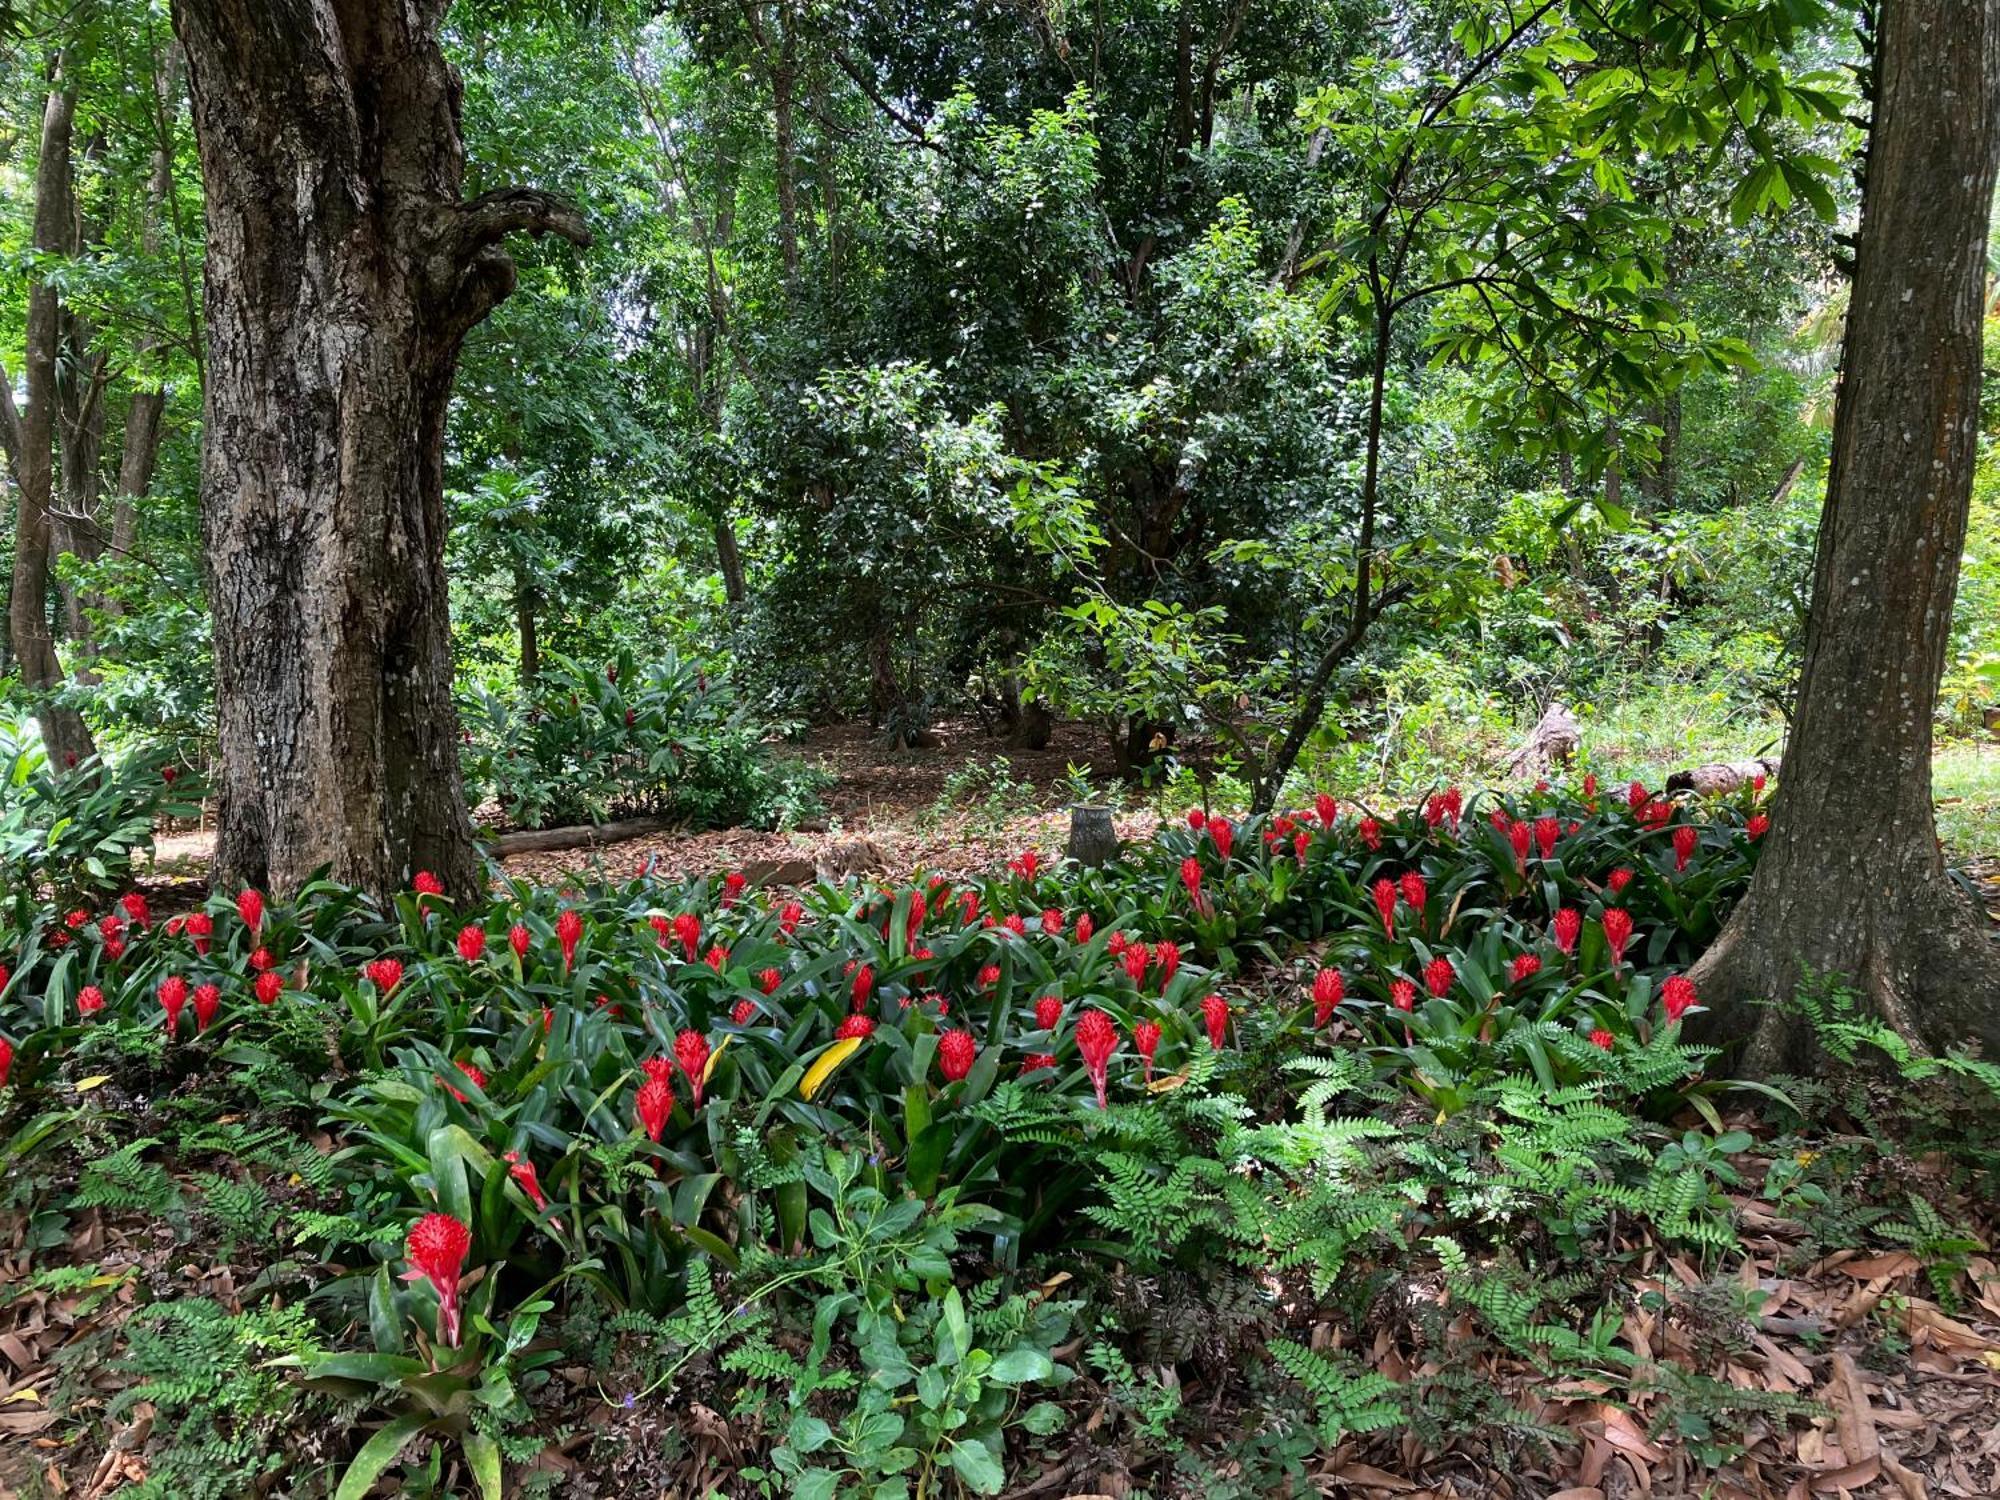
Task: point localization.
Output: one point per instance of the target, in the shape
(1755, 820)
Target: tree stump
(1092, 838)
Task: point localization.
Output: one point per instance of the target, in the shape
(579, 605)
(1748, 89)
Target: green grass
(1965, 778)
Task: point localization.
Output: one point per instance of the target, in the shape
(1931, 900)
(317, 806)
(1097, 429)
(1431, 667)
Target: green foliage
(588, 745)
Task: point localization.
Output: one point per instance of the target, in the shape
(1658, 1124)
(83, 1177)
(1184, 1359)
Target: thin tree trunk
(344, 271)
(33, 636)
(524, 621)
(730, 559)
(1851, 882)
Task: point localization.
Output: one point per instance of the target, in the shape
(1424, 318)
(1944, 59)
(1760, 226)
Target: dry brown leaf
(1895, 1263)
(1367, 1476)
(1852, 1414)
(1849, 1477)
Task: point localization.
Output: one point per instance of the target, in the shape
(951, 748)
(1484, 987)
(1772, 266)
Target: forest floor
(1904, 1393)
(972, 802)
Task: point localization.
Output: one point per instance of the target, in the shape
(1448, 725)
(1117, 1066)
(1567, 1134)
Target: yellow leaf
(28, 1394)
(1163, 1085)
(1990, 1358)
(85, 1085)
(714, 1058)
(824, 1066)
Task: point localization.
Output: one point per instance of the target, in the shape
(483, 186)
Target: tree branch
(491, 217)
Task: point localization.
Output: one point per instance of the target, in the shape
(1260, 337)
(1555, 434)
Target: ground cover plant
(896, 1181)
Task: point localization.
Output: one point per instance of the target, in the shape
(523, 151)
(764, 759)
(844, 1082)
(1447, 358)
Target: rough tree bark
(344, 270)
(33, 446)
(1852, 882)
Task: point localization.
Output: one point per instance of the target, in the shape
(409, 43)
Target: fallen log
(1720, 776)
(577, 836)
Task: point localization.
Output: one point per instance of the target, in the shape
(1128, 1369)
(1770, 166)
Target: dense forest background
(1018, 360)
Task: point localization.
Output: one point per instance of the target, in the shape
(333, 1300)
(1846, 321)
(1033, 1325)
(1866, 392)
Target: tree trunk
(344, 271)
(729, 557)
(1852, 882)
(524, 621)
(33, 637)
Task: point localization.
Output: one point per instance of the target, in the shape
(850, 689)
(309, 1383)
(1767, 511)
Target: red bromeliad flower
(472, 943)
(1454, 803)
(1196, 818)
(658, 1068)
(173, 994)
(1116, 943)
(1052, 922)
(1685, 838)
(1168, 952)
(1567, 928)
(1618, 879)
(1547, 831)
(5, 975)
(653, 1103)
(1137, 960)
(989, 976)
(569, 932)
(968, 907)
(1016, 924)
(114, 947)
(89, 1000)
(742, 1011)
(523, 1172)
(424, 883)
(261, 960)
(663, 930)
(861, 1026)
(1438, 976)
(1191, 878)
(1301, 843)
(1146, 1042)
(136, 908)
(1025, 864)
(732, 887)
(1215, 1016)
(691, 1052)
(1096, 1040)
(1414, 893)
(207, 999)
(1518, 835)
(77, 920)
(437, 1248)
(717, 958)
(1224, 836)
(6, 1060)
(1617, 932)
(919, 909)
(1329, 989)
(1385, 903)
(1601, 1038)
(788, 917)
(1048, 1012)
(1656, 814)
(1036, 1062)
(1403, 995)
(1085, 926)
(200, 927)
(1636, 796)
(1526, 966)
(956, 1053)
(1326, 808)
(1371, 834)
(1677, 996)
(250, 907)
(687, 928)
(270, 984)
(1757, 827)
(1434, 810)
(384, 973)
(472, 1072)
(768, 980)
(518, 938)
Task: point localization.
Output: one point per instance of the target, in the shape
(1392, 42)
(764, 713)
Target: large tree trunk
(343, 273)
(1852, 882)
(33, 637)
